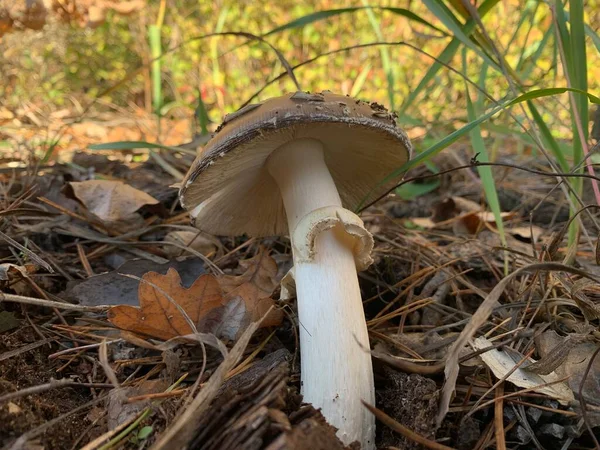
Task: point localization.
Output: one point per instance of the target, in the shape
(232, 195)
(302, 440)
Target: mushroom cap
(229, 191)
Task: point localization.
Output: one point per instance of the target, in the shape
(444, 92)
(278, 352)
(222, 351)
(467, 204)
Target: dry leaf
(12, 272)
(196, 240)
(17, 277)
(575, 364)
(167, 308)
(111, 201)
(530, 233)
(473, 222)
(116, 288)
(424, 222)
(501, 363)
(162, 299)
(254, 287)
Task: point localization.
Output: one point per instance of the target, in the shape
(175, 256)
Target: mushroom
(299, 163)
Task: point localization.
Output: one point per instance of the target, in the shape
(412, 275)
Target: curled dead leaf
(111, 201)
(196, 240)
(255, 287)
(502, 364)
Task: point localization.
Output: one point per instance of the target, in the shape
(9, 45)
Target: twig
(53, 384)
(499, 418)
(25, 348)
(473, 164)
(77, 349)
(583, 402)
(50, 304)
(109, 372)
(39, 261)
(404, 431)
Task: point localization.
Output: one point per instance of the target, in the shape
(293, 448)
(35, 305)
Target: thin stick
(50, 304)
(25, 348)
(35, 258)
(53, 384)
(84, 261)
(499, 418)
(582, 399)
(83, 347)
(404, 431)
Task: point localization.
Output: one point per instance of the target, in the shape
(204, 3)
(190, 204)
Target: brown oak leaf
(162, 299)
(254, 288)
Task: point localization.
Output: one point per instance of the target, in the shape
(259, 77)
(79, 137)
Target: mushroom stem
(336, 372)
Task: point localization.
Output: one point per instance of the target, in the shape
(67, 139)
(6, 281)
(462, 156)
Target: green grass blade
(527, 17)
(577, 70)
(563, 34)
(412, 190)
(202, 114)
(132, 145)
(385, 55)
(524, 138)
(326, 14)
(360, 80)
(485, 172)
(441, 11)
(456, 135)
(547, 137)
(444, 57)
(480, 101)
(593, 36)
(155, 53)
(539, 47)
(579, 61)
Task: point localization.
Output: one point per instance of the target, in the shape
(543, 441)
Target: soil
(33, 368)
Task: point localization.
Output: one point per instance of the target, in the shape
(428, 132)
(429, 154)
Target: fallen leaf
(473, 222)
(255, 287)
(575, 364)
(110, 201)
(165, 303)
(113, 288)
(530, 234)
(119, 411)
(196, 240)
(17, 277)
(260, 271)
(12, 272)
(501, 363)
(423, 222)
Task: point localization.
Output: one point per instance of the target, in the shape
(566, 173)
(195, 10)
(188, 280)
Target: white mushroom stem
(336, 372)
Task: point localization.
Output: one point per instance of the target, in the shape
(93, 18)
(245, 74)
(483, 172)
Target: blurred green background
(66, 63)
(451, 69)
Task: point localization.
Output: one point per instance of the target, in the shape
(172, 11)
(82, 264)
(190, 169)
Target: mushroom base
(336, 364)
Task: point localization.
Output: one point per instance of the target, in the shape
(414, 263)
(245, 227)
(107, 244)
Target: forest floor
(84, 231)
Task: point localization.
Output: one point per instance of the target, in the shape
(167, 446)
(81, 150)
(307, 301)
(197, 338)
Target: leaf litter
(436, 300)
(223, 306)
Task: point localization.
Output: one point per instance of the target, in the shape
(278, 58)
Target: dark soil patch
(33, 368)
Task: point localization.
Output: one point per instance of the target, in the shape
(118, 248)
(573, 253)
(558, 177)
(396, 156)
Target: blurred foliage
(450, 68)
(62, 66)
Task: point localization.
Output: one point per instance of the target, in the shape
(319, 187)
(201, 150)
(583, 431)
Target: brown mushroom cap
(228, 189)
